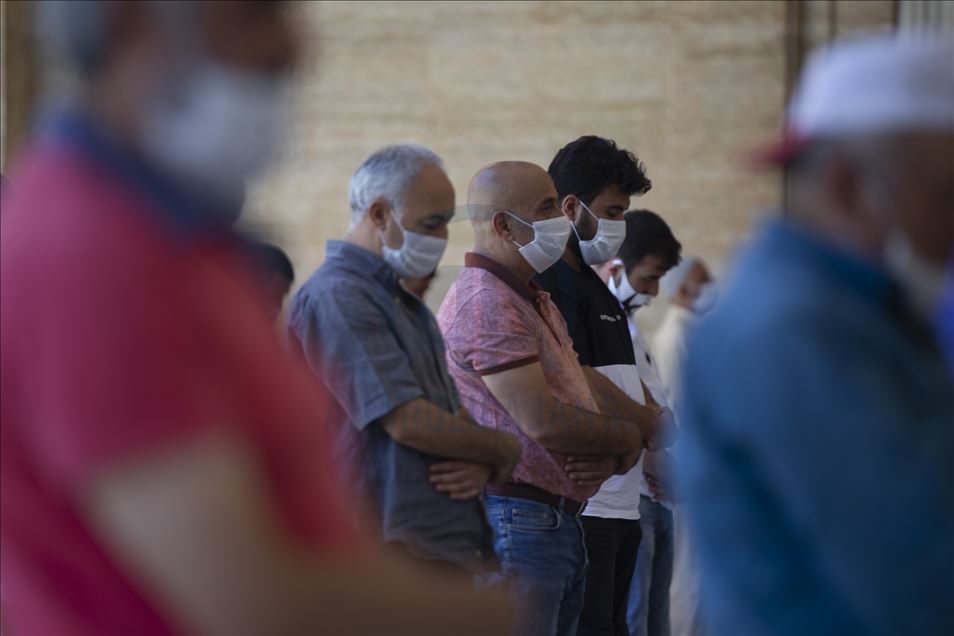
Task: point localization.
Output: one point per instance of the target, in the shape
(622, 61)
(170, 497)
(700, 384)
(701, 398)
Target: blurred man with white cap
(818, 446)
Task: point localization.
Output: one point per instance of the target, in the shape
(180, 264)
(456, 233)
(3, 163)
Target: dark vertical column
(19, 75)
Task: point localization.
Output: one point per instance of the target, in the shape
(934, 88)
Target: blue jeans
(543, 561)
(648, 613)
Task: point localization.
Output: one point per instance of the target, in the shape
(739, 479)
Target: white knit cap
(885, 83)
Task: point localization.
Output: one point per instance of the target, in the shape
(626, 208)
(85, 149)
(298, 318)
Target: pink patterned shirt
(493, 321)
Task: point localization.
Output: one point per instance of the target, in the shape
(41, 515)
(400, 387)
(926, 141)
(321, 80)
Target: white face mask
(923, 282)
(418, 255)
(605, 243)
(221, 129)
(706, 300)
(549, 242)
(628, 297)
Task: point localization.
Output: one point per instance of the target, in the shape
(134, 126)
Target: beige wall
(691, 87)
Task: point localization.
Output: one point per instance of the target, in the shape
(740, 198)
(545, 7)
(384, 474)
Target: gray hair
(388, 174)
(675, 277)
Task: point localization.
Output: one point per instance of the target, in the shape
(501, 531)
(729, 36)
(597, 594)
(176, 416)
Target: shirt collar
(186, 209)
(530, 291)
(362, 262)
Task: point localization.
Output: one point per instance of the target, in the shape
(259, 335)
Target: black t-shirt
(594, 318)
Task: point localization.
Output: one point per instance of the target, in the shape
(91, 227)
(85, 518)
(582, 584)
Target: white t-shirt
(618, 497)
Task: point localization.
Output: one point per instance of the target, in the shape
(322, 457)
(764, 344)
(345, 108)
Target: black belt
(526, 491)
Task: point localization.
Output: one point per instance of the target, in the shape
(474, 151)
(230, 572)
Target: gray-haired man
(415, 453)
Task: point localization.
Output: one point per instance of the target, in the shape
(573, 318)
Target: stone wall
(691, 87)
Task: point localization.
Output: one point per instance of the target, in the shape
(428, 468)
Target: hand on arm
(654, 422)
(524, 393)
(476, 450)
(591, 470)
(460, 480)
(196, 529)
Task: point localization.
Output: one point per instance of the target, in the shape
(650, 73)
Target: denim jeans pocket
(534, 517)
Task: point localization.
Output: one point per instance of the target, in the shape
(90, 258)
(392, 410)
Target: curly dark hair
(591, 164)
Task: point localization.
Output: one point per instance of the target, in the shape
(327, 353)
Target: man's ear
(570, 206)
(501, 225)
(378, 212)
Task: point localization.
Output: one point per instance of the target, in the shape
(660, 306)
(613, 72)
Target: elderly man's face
(538, 204)
(428, 208)
(695, 279)
(923, 195)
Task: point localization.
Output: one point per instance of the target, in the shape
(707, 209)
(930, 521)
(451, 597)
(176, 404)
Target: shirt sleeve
(349, 344)
(489, 336)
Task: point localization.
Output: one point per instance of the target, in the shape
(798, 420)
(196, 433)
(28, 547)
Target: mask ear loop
(625, 303)
(587, 208)
(530, 225)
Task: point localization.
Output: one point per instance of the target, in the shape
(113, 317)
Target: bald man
(515, 367)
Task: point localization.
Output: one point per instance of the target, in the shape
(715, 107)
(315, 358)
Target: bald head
(517, 186)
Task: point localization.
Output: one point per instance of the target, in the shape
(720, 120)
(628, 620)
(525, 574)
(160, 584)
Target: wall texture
(690, 86)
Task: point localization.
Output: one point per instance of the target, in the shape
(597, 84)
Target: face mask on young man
(605, 243)
(629, 298)
(548, 244)
(418, 255)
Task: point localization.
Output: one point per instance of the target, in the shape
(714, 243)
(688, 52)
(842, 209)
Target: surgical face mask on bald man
(549, 241)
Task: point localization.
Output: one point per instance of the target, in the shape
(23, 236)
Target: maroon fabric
(120, 342)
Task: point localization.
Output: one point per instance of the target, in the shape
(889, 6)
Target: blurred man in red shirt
(164, 468)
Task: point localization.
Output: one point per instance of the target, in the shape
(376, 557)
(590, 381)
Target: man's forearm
(613, 401)
(430, 429)
(567, 429)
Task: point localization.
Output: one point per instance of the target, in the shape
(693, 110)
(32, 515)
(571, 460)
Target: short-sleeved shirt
(598, 326)
(492, 321)
(376, 347)
(818, 449)
(129, 331)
